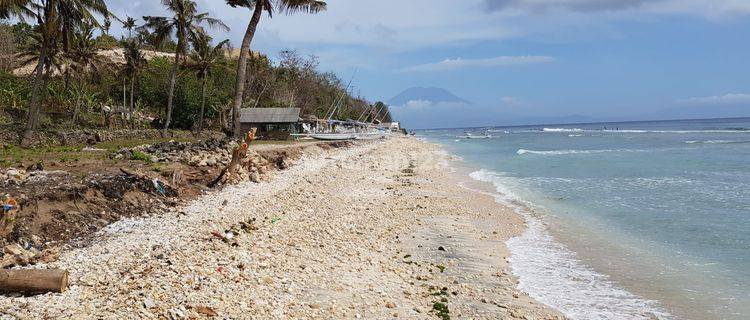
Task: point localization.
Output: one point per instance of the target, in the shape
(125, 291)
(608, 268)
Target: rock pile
(210, 152)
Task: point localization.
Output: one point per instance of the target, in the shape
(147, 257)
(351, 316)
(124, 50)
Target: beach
(378, 230)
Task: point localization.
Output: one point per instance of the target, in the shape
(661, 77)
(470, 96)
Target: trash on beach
(8, 216)
(8, 203)
(227, 237)
(159, 187)
(274, 220)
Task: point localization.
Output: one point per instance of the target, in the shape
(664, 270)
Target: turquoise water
(628, 220)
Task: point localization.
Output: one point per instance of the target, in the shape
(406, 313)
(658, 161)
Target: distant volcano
(431, 95)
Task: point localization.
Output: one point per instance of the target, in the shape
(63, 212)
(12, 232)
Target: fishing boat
(333, 136)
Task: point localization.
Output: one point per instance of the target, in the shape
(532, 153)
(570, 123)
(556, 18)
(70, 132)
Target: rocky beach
(376, 230)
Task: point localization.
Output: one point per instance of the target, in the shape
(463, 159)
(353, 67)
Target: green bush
(140, 156)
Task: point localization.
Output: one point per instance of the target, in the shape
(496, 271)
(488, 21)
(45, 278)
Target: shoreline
(377, 230)
(537, 253)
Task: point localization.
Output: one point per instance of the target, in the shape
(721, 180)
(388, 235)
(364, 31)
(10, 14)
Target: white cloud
(398, 25)
(573, 5)
(460, 63)
(730, 98)
(710, 9)
(418, 104)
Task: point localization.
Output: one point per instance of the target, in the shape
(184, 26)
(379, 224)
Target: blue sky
(604, 59)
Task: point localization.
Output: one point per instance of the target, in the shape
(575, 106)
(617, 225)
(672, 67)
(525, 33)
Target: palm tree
(129, 24)
(202, 60)
(258, 6)
(185, 20)
(135, 60)
(84, 60)
(56, 22)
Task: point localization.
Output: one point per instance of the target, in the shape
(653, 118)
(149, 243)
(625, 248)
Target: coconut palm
(56, 22)
(84, 60)
(54, 59)
(129, 24)
(21, 9)
(135, 60)
(258, 6)
(186, 19)
(203, 59)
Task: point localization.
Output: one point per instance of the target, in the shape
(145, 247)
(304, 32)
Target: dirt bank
(64, 203)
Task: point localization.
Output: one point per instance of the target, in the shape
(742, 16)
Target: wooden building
(272, 123)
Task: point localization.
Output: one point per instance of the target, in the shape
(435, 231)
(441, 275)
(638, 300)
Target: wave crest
(716, 141)
(566, 152)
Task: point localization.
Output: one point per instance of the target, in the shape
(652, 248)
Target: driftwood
(239, 153)
(33, 280)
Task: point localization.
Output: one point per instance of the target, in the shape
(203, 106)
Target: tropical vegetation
(61, 68)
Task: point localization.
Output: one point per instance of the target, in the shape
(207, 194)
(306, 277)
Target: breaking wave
(551, 273)
(579, 130)
(566, 152)
(717, 141)
(562, 130)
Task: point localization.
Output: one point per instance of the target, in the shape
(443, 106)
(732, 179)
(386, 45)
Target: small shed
(272, 123)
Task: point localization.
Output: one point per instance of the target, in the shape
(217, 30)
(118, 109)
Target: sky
(520, 61)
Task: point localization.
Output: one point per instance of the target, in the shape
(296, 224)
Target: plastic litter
(8, 203)
(159, 187)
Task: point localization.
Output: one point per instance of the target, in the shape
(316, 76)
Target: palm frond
(211, 22)
(300, 6)
(20, 9)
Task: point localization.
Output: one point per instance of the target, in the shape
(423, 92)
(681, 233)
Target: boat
(333, 136)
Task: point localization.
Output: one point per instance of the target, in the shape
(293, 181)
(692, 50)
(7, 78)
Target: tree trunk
(132, 99)
(124, 99)
(78, 101)
(33, 280)
(257, 101)
(203, 103)
(242, 67)
(172, 83)
(36, 99)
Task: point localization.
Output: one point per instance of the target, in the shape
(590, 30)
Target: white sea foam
(566, 152)
(562, 130)
(717, 141)
(559, 130)
(551, 273)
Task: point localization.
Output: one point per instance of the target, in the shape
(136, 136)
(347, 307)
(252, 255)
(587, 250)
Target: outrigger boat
(333, 136)
(352, 129)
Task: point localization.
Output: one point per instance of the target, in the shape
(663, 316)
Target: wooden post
(33, 280)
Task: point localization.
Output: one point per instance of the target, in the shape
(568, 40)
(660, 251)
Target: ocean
(632, 220)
